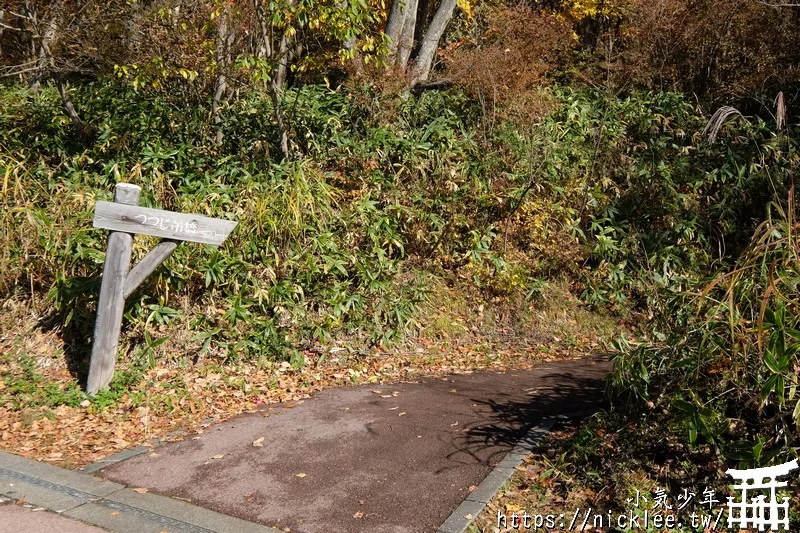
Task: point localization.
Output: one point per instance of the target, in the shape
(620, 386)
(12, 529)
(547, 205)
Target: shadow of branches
(506, 417)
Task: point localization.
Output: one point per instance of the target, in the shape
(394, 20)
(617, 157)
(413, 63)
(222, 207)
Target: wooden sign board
(160, 223)
(124, 218)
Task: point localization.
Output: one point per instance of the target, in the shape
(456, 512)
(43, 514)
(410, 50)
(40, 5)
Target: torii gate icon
(758, 511)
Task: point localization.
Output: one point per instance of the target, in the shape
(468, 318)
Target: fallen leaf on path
(394, 408)
(471, 488)
(402, 414)
(141, 490)
(218, 456)
(301, 475)
(259, 442)
(115, 513)
(358, 514)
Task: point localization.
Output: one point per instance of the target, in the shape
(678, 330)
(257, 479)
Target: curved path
(381, 458)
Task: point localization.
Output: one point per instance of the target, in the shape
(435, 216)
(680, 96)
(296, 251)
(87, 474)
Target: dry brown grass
(724, 49)
(515, 51)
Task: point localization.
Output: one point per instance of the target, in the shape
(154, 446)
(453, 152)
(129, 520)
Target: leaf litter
(164, 401)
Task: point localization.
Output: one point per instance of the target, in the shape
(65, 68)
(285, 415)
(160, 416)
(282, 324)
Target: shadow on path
(511, 417)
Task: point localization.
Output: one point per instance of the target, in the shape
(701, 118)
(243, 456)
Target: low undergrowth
(405, 221)
(710, 381)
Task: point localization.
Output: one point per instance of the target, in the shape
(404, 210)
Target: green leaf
(771, 362)
(684, 406)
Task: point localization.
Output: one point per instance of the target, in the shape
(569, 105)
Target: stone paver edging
(109, 505)
(473, 505)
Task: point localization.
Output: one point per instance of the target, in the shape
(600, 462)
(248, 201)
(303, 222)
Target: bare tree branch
(7, 27)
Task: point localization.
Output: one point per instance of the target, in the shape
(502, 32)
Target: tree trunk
(394, 25)
(284, 53)
(424, 11)
(266, 49)
(224, 37)
(350, 44)
(430, 43)
(68, 107)
(406, 44)
(403, 13)
(276, 87)
(264, 46)
(412, 39)
(2, 27)
(132, 25)
(275, 96)
(42, 33)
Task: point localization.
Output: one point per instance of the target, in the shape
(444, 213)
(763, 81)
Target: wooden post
(125, 218)
(111, 302)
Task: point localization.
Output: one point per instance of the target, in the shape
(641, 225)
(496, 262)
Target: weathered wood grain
(111, 303)
(147, 265)
(161, 223)
(124, 218)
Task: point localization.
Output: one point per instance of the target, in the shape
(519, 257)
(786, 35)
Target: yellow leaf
(141, 490)
(466, 7)
(301, 475)
(259, 442)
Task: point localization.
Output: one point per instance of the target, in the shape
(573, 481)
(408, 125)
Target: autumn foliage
(510, 54)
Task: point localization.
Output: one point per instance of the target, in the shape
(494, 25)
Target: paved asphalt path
(381, 458)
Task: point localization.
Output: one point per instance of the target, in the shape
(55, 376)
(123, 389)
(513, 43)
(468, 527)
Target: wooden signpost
(124, 218)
